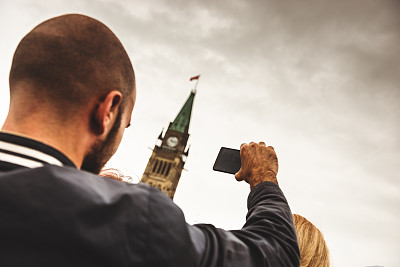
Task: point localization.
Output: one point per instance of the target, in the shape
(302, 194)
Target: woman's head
(313, 249)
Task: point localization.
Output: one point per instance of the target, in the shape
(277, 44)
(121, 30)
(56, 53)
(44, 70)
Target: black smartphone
(228, 160)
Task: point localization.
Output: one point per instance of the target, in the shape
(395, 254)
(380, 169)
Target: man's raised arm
(268, 237)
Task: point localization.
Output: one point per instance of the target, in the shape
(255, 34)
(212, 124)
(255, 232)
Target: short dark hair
(69, 60)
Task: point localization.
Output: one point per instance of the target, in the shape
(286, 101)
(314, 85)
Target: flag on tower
(195, 78)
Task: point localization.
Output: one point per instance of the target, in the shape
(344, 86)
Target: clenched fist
(259, 164)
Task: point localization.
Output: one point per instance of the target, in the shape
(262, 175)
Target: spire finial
(197, 82)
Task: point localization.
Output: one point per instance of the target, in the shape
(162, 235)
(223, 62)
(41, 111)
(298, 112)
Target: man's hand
(259, 164)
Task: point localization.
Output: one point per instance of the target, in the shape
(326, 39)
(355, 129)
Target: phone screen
(228, 160)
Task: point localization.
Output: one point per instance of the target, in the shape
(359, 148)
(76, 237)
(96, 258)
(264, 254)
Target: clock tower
(166, 163)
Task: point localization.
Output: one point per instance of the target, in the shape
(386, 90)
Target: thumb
(239, 175)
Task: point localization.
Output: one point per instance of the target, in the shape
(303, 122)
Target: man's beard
(102, 151)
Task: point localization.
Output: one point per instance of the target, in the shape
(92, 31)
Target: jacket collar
(18, 151)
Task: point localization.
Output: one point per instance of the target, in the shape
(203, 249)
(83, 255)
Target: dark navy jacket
(52, 214)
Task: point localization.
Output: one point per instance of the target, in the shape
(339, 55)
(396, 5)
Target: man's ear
(106, 112)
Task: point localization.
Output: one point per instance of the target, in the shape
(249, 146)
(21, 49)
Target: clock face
(172, 141)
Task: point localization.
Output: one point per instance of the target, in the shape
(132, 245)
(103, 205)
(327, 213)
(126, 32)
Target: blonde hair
(313, 249)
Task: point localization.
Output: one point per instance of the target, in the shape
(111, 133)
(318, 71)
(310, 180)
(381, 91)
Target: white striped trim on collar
(20, 161)
(28, 152)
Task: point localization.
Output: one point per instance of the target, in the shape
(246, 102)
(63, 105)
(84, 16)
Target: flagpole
(195, 86)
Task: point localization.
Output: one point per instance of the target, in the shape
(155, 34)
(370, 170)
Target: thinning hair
(68, 60)
(313, 249)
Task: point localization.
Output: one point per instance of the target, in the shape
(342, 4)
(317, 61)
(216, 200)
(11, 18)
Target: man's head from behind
(73, 68)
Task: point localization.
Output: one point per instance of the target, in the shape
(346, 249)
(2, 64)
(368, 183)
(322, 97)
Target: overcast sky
(318, 80)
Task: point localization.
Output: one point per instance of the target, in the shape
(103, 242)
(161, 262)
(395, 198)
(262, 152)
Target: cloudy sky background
(318, 80)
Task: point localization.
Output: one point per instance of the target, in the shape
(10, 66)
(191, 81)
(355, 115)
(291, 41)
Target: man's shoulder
(73, 181)
(81, 208)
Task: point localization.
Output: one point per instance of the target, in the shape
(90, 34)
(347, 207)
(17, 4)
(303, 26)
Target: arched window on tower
(159, 166)
(163, 169)
(155, 165)
(168, 169)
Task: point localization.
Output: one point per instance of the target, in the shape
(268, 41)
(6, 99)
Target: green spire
(181, 122)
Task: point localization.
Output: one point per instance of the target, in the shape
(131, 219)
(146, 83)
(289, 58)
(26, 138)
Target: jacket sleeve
(268, 237)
